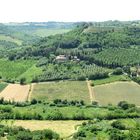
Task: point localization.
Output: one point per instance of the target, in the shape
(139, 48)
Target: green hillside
(13, 69)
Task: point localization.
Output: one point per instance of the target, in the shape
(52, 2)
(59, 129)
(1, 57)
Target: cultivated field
(70, 90)
(117, 91)
(64, 128)
(15, 92)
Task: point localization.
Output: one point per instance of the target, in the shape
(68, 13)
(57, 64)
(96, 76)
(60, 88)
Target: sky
(68, 10)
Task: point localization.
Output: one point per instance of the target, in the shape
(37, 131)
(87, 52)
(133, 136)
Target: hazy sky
(68, 10)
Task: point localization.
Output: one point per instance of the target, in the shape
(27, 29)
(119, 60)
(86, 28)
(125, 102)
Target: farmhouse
(61, 58)
(75, 58)
(64, 58)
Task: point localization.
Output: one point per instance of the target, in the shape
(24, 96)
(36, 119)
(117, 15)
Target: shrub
(94, 103)
(92, 84)
(116, 134)
(49, 134)
(33, 101)
(118, 125)
(118, 71)
(79, 116)
(55, 115)
(22, 81)
(23, 135)
(123, 104)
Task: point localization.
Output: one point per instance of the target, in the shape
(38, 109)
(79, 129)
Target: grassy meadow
(117, 91)
(70, 90)
(13, 69)
(64, 128)
(32, 72)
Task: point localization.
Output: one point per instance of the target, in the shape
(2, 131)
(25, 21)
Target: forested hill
(117, 42)
(18, 36)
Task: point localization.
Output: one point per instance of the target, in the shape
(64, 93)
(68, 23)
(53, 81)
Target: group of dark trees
(19, 133)
(106, 130)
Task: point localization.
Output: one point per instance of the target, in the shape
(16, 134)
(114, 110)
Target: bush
(92, 84)
(55, 115)
(80, 133)
(95, 103)
(123, 104)
(23, 135)
(22, 81)
(98, 76)
(33, 101)
(7, 109)
(118, 125)
(49, 134)
(115, 134)
(79, 116)
(118, 71)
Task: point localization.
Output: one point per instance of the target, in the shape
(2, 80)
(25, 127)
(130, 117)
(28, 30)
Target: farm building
(61, 58)
(75, 58)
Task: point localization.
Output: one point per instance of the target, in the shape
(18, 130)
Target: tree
(123, 104)
(118, 71)
(118, 125)
(22, 81)
(33, 101)
(24, 135)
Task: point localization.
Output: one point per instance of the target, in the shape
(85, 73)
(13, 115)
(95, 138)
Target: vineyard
(114, 57)
(68, 90)
(115, 92)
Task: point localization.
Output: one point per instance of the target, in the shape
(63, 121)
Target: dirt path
(30, 91)
(91, 92)
(15, 92)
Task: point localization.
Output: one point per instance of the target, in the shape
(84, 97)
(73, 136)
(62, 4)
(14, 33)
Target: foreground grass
(116, 92)
(70, 90)
(63, 128)
(110, 79)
